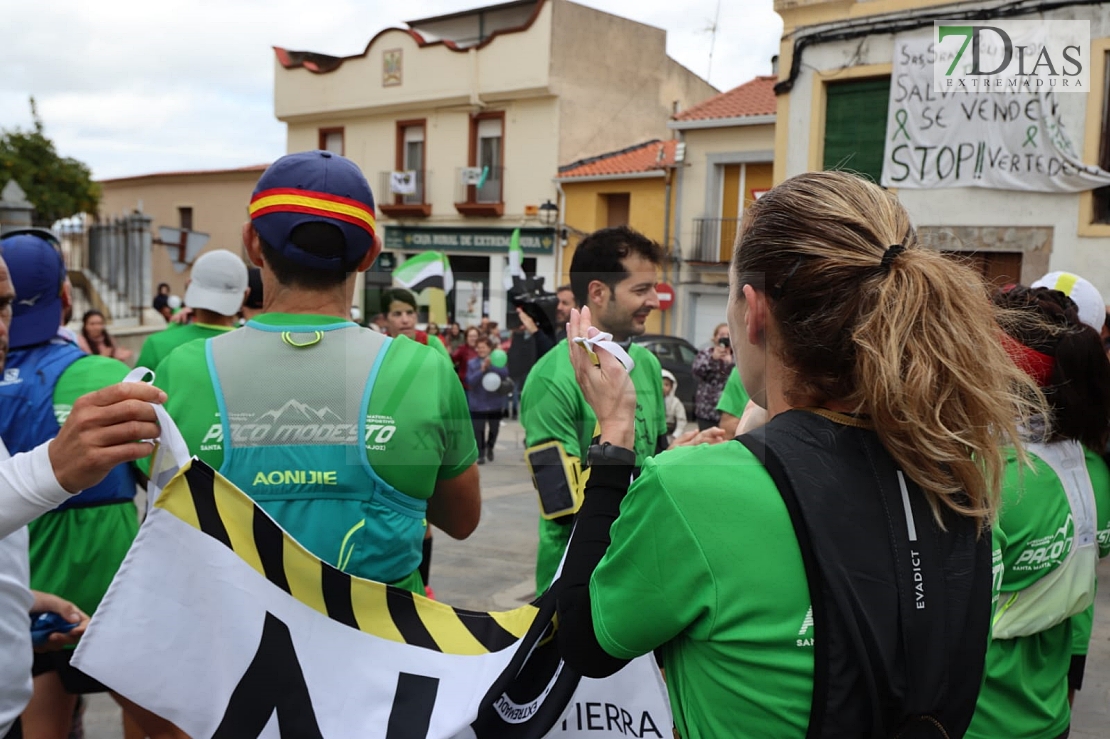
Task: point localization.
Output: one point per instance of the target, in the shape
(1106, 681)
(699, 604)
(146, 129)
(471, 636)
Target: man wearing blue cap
(75, 549)
(354, 442)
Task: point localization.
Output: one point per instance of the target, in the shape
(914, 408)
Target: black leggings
(480, 419)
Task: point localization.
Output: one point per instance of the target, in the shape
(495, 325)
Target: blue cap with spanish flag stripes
(314, 187)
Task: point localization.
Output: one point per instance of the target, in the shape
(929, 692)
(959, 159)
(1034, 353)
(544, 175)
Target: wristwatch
(607, 454)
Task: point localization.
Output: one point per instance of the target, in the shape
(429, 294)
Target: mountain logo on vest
(11, 377)
(1047, 551)
(299, 423)
(807, 627)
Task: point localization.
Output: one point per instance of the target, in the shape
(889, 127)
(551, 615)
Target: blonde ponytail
(865, 316)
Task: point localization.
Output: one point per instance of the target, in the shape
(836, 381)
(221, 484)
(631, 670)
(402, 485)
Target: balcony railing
(480, 191)
(404, 197)
(714, 239)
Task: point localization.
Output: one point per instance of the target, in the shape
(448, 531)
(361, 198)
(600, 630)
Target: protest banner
(1019, 138)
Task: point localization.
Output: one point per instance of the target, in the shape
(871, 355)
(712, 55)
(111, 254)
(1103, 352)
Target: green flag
(428, 269)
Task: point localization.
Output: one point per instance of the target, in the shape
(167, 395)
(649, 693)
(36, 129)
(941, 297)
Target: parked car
(677, 355)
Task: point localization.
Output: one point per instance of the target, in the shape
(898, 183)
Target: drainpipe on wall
(668, 247)
(676, 248)
(475, 98)
(560, 228)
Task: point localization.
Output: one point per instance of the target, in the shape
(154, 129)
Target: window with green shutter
(855, 125)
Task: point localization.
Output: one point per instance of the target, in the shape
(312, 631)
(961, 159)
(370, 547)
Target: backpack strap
(756, 443)
(878, 671)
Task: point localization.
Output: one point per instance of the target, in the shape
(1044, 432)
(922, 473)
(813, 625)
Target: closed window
(411, 158)
(1102, 195)
(489, 153)
(331, 139)
(855, 125)
(616, 208)
(185, 219)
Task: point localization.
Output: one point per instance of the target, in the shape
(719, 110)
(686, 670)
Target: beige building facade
(212, 202)
(460, 123)
(727, 157)
(835, 83)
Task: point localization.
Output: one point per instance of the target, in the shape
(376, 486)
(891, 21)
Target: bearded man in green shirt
(614, 272)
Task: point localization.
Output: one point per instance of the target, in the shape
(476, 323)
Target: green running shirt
(552, 408)
(734, 399)
(1025, 690)
(158, 346)
(75, 553)
(418, 422)
(704, 563)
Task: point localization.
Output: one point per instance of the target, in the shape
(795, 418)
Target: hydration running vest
(901, 608)
(1070, 587)
(293, 403)
(27, 415)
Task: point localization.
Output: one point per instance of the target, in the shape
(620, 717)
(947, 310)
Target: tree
(57, 186)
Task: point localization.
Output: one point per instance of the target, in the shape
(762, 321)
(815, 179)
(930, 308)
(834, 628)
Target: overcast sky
(134, 86)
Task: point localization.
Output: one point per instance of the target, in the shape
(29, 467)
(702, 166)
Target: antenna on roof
(713, 40)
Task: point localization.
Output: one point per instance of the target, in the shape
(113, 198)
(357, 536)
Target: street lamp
(549, 213)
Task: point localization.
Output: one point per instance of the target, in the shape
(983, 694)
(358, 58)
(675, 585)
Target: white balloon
(491, 381)
(356, 314)
(174, 302)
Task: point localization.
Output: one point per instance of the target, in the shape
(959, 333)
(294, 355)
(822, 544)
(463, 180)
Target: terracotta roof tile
(190, 173)
(644, 158)
(754, 97)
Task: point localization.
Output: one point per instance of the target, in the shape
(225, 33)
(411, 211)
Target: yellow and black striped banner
(202, 498)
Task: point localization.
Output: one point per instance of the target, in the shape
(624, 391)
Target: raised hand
(104, 429)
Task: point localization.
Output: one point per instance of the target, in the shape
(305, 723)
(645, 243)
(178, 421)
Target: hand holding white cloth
(170, 450)
(605, 341)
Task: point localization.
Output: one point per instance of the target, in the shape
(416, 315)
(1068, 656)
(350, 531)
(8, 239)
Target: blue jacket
(27, 415)
(477, 396)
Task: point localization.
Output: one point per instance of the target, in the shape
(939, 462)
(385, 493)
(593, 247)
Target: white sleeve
(28, 488)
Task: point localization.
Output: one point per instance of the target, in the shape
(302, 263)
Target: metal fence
(110, 262)
(714, 239)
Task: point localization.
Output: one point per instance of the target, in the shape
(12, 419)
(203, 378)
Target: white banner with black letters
(1018, 139)
(221, 623)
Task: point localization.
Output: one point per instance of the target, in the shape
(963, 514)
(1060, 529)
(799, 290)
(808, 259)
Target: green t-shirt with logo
(418, 423)
(704, 563)
(734, 399)
(159, 346)
(1100, 481)
(75, 553)
(552, 408)
(1025, 682)
(86, 375)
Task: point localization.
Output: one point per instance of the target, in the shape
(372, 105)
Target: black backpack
(901, 608)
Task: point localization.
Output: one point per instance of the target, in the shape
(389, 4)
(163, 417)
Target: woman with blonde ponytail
(830, 574)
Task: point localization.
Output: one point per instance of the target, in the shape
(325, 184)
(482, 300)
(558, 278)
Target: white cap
(218, 283)
(1092, 311)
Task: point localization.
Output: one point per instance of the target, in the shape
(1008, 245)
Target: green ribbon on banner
(900, 117)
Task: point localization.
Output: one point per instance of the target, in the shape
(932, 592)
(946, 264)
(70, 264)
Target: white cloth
(605, 341)
(402, 183)
(27, 488)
